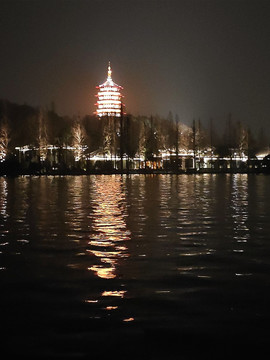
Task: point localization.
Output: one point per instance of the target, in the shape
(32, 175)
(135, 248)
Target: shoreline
(136, 172)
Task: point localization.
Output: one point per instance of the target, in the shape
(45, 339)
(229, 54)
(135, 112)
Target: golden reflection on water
(3, 214)
(3, 198)
(239, 209)
(110, 233)
(119, 293)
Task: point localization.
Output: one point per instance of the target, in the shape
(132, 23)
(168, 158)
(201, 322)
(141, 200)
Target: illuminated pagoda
(109, 97)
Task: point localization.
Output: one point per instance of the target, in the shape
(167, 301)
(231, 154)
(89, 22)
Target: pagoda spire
(109, 71)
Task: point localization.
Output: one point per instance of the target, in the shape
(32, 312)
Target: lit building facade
(109, 96)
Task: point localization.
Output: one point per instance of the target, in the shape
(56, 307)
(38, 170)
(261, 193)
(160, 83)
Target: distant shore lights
(109, 97)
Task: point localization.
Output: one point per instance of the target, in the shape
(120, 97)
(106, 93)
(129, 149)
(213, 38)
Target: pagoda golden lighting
(109, 97)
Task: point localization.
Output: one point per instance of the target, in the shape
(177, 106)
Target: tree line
(144, 136)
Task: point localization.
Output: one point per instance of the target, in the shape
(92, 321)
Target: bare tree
(4, 140)
(42, 137)
(109, 136)
(142, 138)
(78, 133)
(242, 139)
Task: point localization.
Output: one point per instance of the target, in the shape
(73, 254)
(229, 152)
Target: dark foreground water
(145, 267)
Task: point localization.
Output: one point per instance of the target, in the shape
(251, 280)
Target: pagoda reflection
(109, 231)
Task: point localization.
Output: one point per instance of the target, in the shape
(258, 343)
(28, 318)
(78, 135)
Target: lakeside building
(109, 96)
(62, 160)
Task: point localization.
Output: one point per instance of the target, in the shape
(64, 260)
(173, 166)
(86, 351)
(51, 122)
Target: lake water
(135, 266)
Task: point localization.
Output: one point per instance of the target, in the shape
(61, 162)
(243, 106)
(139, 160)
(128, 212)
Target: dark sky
(196, 58)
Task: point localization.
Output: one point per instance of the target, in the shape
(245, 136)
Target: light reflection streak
(4, 216)
(77, 200)
(239, 210)
(108, 240)
(120, 293)
(128, 319)
(111, 307)
(3, 198)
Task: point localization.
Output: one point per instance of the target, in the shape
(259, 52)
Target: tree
(194, 145)
(4, 140)
(42, 137)
(242, 139)
(262, 140)
(151, 141)
(110, 131)
(177, 141)
(142, 138)
(121, 137)
(78, 133)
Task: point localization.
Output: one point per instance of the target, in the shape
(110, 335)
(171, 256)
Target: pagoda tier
(109, 97)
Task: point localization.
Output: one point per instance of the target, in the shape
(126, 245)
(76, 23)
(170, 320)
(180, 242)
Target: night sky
(197, 58)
